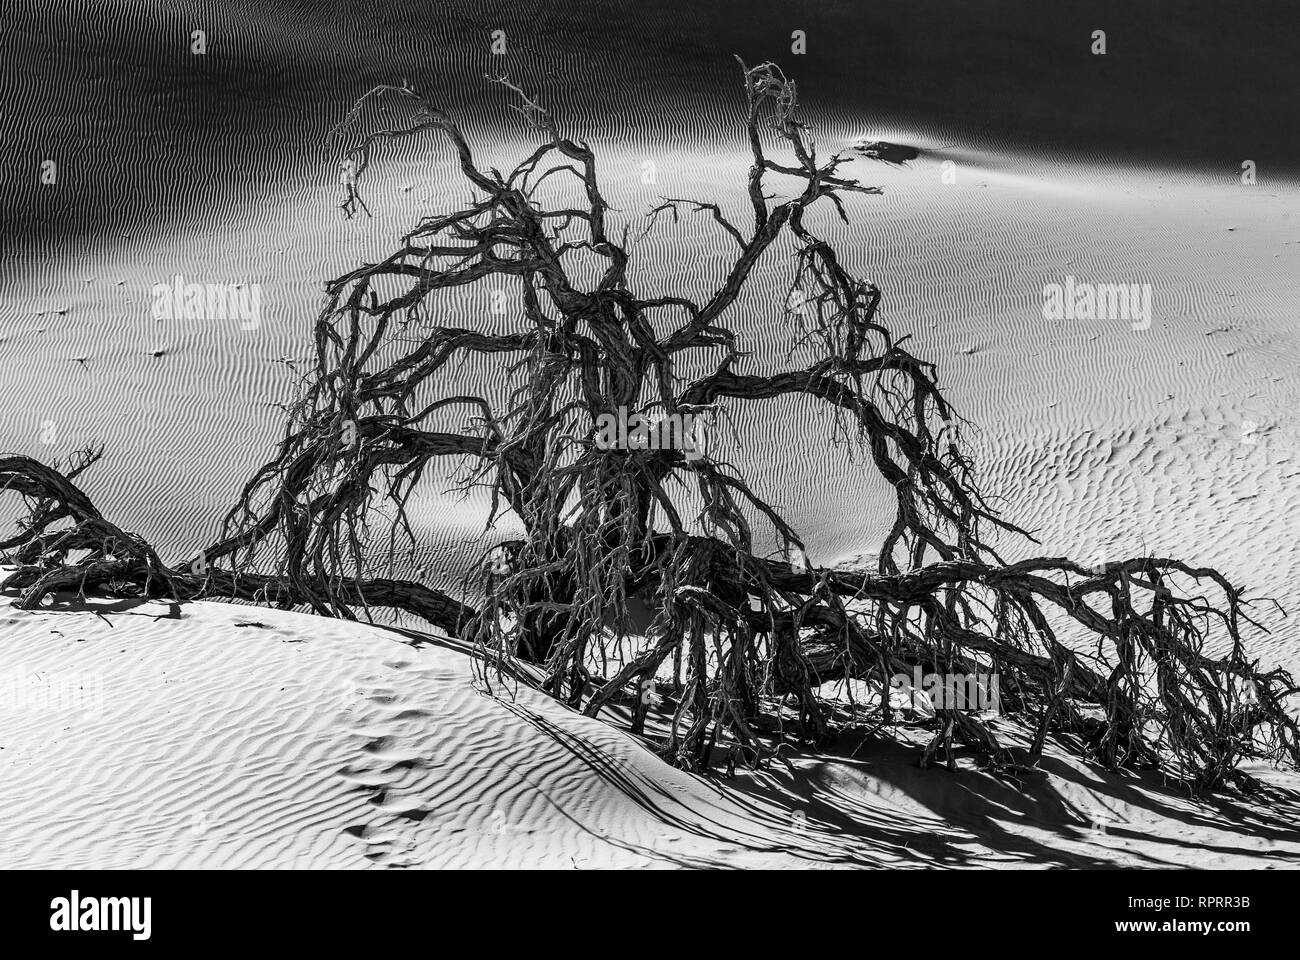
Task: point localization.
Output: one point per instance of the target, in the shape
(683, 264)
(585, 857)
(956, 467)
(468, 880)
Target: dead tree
(738, 638)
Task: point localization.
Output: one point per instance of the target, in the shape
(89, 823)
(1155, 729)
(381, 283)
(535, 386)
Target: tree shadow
(881, 810)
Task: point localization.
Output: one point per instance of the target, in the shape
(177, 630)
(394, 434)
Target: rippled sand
(1179, 439)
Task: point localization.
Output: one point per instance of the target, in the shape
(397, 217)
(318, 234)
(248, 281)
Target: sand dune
(235, 737)
(1173, 439)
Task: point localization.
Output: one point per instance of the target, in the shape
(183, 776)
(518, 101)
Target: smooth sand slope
(233, 737)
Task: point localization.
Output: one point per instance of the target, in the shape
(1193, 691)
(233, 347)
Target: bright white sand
(234, 737)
